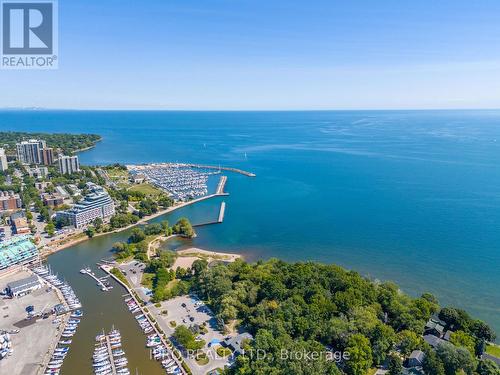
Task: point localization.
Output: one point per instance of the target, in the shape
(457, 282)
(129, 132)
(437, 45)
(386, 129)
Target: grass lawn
(147, 280)
(147, 189)
(223, 352)
(493, 350)
(202, 359)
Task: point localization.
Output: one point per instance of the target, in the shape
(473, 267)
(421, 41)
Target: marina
(181, 181)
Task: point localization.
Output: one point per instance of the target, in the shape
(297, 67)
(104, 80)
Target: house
(433, 340)
(236, 343)
(138, 178)
(24, 286)
(434, 327)
(416, 359)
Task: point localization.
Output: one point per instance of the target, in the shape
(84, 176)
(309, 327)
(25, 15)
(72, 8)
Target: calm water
(412, 197)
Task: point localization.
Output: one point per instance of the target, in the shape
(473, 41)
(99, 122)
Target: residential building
(9, 201)
(68, 164)
(24, 286)
(30, 152)
(433, 341)
(47, 155)
(38, 172)
(17, 250)
(41, 186)
(3, 160)
(52, 200)
(416, 359)
(97, 204)
(19, 223)
(435, 327)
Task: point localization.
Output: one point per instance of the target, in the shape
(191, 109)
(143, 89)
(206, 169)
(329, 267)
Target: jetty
(88, 271)
(220, 186)
(229, 169)
(219, 220)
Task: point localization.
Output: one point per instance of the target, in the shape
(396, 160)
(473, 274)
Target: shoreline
(46, 253)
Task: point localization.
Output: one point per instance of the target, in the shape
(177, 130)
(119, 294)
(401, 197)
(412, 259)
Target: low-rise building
(10, 201)
(97, 204)
(52, 200)
(19, 223)
(17, 250)
(24, 286)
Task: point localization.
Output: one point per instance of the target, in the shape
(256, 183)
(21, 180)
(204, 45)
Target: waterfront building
(30, 152)
(68, 164)
(17, 250)
(24, 286)
(9, 201)
(47, 155)
(97, 204)
(3, 160)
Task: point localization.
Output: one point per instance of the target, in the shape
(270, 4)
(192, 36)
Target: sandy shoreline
(186, 257)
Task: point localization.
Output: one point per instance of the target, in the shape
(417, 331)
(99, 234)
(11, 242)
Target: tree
(198, 266)
(185, 337)
(455, 359)
(183, 227)
(432, 363)
(408, 342)
(90, 231)
(137, 235)
(482, 331)
(395, 365)
(488, 367)
(50, 228)
(460, 338)
(98, 224)
(360, 355)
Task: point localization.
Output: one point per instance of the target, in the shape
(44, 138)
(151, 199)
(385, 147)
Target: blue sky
(253, 54)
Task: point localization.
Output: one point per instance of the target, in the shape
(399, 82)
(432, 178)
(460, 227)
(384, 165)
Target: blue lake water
(408, 196)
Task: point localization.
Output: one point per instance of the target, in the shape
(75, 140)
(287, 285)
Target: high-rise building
(3, 160)
(47, 155)
(97, 204)
(29, 152)
(68, 164)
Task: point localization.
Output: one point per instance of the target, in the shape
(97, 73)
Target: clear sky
(268, 54)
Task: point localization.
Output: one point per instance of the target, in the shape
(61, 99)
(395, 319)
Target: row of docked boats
(62, 347)
(109, 357)
(181, 181)
(66, 290)
(158, 350)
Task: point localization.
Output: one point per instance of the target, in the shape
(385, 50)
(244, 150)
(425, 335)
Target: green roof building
(17, 250)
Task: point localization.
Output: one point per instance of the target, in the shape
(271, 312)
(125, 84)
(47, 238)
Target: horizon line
(241, 110)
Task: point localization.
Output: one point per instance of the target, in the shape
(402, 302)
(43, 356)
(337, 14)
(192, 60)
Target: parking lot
(36, 336)
(188, 311)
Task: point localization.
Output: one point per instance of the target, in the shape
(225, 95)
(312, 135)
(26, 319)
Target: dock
(87, 271)
(110, 355)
